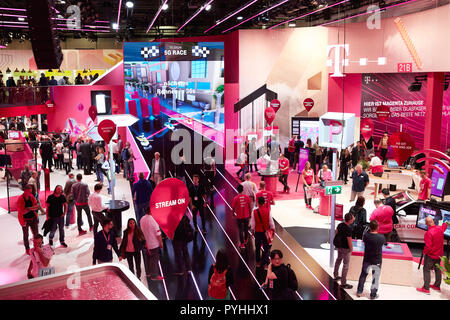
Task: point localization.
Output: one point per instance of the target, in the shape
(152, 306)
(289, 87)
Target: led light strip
(12, 15)
(164, 281)
(196, 286)
(118, 15)
(307, 14)
(369, 12)
(232, 14)
(13, 26)
(264, 11)
(156, 16)
(195, 14)
(232, 243)
(12, 9)
(408, 42)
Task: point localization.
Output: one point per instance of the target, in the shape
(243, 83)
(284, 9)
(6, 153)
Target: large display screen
(186, 77)
(446, 218)
(309, 130)
(426, 211)
(438, 181)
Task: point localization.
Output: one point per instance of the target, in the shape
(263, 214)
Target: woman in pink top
(308, 179)
(132, 243)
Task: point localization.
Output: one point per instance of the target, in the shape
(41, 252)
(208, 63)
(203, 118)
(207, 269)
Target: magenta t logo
(335, 128)
(337, 58)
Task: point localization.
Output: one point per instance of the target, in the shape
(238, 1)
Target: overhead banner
(386, 100)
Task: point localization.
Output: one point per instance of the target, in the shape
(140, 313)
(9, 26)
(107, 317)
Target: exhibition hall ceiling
(126, 20)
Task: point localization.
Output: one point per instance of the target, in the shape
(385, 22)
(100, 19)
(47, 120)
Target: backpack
(292, 278)
(337, 241)
(217, 287)
(125, 154)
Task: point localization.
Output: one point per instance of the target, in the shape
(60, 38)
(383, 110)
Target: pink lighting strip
(196, 14)
(85, 30)
(14, 22)
(156, 16)
(364, 13)
(258, 14)
(13, 9)
(232, 14)
(307, 14)
(12, 15)
(13, 26)
(101, 21)
(118, 15)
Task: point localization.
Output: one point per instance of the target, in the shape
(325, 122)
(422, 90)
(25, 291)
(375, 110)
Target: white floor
(293, 213)
(13, 260)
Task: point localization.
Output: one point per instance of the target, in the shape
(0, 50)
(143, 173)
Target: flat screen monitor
(438, 180)
(392, 164)
(446, 218)
(426, 211)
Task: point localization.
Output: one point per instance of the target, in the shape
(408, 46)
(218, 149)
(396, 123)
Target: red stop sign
(308, 103)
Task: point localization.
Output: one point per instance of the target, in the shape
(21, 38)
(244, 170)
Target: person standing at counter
(360, 180)
(104, 243)
(424, 187)
(153, 245)
(242, 207)
(308, 179)
(433, 251)
(373, 257)
(376, 166)
(324, 175)
(284, 172)
(344, 245)
(383, 146)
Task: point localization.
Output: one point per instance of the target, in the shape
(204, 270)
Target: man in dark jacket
(142, 192)
(183, 234)
(85, 151)
(46, 150)
(104, 243)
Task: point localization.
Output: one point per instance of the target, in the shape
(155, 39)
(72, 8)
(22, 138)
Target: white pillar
(333, 206)
(218, 104)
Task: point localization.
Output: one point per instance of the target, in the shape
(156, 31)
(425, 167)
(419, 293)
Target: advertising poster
(309, 130)
(386, 100)
(186, 77)
(438, 181)
(302, 159)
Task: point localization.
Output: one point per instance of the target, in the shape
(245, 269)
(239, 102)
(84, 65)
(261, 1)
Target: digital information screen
(438, 181)
(426, 211)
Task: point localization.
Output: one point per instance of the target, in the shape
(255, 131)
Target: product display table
(396, 267)
(270, 177)
(386, 179)
(116, 207)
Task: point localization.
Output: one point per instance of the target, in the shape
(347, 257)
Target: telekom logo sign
(335, 128)
(337, 58)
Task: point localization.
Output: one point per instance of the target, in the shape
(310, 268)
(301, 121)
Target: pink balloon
(106, 130)
(367, 128)
(269, 114)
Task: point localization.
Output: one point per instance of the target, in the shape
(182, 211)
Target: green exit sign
(333, 190)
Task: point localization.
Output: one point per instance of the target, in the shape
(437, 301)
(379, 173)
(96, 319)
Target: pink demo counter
(396, 268)
(271, 179)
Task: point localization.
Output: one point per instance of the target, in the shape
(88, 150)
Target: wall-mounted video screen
(438, 180)
(186, 77)
(426, 211)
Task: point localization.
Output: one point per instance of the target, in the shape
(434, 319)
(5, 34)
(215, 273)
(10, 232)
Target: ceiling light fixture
(208, 7)
(21, 19)
(196, 14)
(309, 13)
(157, 14)
(232, 14)
(260, 13)
(129, 4)
(292, 24)
(115, 26)
(165, 6)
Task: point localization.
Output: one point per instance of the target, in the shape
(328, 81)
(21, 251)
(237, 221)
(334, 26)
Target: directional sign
(333, 190)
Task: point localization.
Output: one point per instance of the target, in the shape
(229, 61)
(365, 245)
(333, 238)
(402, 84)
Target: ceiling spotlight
(292, 24)
(129, 4)
(115, 26)
(240, 17)
(208, 7)
(165, 6)
(21, 19)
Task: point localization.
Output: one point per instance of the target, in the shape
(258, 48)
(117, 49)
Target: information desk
(116, 207)
(270, 177)
(396, 267)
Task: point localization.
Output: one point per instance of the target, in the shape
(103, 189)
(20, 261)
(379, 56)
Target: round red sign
(308, 103)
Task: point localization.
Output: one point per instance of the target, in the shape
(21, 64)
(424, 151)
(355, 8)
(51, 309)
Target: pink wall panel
(345, 94)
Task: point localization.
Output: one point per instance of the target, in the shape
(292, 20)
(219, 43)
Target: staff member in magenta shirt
(424, 187)
(284, 168)
(242, 206)
(308, 179)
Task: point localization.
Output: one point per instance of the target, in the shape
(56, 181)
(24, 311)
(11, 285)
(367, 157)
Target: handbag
(268, 233)
(105, 165)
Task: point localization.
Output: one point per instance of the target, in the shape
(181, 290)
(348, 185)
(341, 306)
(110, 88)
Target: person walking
(158, 169)
(242, 161)
(220, 277)
(253, 155)
(69, 197)
(250, 188)
(432, 252)
(280, 278)
(153, 245)
(133, 242)
(59, 161)
(80, 192)
(383, 214)
(344, 245)
(142, 192)
(360, 180)
(27, 214)
(97, 207)
(184, 233)
(356, 154)
(85, 152)
(283, 164)
(242, 207)
(360, 215)
(308, 179)
(373, 256)
(128, 164)
(25, 176)
(46, 151)
(197, 201)
(262, 227)
(209, 167)
(56, 210)
(104, 243)
(100, 160)
(267, 195)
